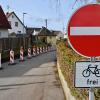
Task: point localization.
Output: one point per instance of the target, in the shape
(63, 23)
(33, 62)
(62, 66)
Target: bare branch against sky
(57, 12)
(98, 1)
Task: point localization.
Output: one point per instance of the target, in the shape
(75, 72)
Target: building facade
(4, 24)
(17, 26)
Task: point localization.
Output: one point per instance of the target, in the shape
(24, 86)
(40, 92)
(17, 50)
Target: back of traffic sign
(84, 30)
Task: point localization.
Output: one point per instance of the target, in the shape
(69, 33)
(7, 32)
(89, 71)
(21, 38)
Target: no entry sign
(84, 30)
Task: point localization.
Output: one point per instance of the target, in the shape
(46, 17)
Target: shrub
(67, 57)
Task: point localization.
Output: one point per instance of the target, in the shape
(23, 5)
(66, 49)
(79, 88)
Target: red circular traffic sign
(84, 30)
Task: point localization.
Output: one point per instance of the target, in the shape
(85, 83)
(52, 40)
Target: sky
(57, 13)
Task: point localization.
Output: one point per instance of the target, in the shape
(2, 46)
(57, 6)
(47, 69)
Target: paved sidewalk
(38, 83)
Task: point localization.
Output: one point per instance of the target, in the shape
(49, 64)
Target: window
(12, 16)
(19, 31)
(10, 22)
(16, 24)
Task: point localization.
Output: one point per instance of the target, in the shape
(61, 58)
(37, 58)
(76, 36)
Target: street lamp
(23, 21)
(23, 30)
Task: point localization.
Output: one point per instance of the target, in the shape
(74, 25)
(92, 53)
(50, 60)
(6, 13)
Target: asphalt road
(33, 79)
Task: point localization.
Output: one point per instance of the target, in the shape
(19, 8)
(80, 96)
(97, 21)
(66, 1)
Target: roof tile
(4, 24)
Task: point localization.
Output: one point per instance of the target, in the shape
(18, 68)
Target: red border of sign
(68, 29)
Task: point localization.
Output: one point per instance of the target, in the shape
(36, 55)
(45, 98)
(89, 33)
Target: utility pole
(46, 22)
(8, 8)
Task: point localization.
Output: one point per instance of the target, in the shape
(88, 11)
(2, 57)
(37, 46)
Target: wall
(3, 33)
(14, 28)
(51, 39)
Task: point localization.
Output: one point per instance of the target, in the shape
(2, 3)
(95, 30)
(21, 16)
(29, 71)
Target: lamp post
(23, 21)
(23, 29)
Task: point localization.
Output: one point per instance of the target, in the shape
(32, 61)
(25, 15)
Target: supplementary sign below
(87, 74)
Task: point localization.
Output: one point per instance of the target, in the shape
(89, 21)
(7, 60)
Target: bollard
(21, 54)
(29, 53)
(34, 51)
(0, 62)
(11, 57)
(45, 48)
(42, 49)
(38, 51)
(49, 48)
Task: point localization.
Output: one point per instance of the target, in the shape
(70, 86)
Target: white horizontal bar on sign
(84, 30)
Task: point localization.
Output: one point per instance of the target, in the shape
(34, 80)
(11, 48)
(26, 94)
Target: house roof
(9, 14)
(30, 30)
(55, 32)
(42, 31)
(46, 32)
(4, 24)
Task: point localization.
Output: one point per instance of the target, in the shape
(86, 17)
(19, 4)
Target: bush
(66, 57)
(39, 43)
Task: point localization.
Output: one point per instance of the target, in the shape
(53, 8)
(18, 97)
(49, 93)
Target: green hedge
(39, 43)
(5, 54)
(67, 57)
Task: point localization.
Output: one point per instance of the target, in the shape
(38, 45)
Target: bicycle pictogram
(91, 70)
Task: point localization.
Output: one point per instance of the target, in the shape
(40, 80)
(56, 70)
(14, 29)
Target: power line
(7, 6)
(74, 4)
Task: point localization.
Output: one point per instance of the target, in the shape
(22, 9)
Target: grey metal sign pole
(91, 94)
(91, 91)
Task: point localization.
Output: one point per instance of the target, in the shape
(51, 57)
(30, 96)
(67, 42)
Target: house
(65, 36)
(4, 24)
(47, 36)
(32, 30)
(16, 24)
(59, 34)
(32, 33)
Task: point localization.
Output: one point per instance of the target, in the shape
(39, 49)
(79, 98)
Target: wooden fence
(14, 43)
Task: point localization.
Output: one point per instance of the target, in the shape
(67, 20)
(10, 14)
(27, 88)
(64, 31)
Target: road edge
(65, 87)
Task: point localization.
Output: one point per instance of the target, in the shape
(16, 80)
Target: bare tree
(98, 1)
(85, 1)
